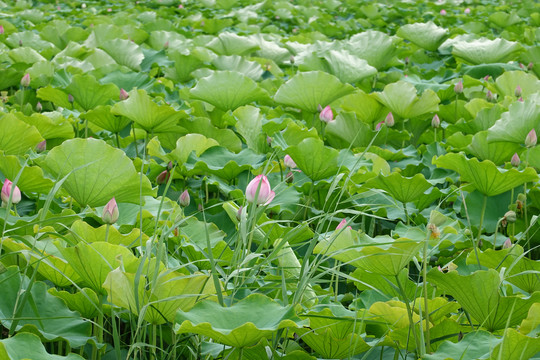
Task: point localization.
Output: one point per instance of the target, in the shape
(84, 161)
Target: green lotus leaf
(81, 231)
(375, 47)
(507, 83)
(85, 301)
(515, 124)
(251, 69)
(504, 19)
(479, 295)
(315, 159)
(191, 142)
(104, 118)
(128, 80)
(96, 172)
(17, 137)
(31, 180)
(60, 33)
(242, 324)
(159, 38)
(426, 35)
(25, 55)
(365, 106)
(124, 52)
(187, 61)
(32, 40)
(51, 125)
(366, 280)
(89, 93)
(228, 43)
(340, 63)
(28, 346)
(249, 123)
(225, 137)
(485, 176)
(55, 95)
(150, 116)
(306, 91)
(403, 189)
(474, 345)
(515, 345)
(41, 74)
(158, 300)
(529, 324)
(485, 51)
(400, 97)
(40, 313)
(498, 152)
(227, 90)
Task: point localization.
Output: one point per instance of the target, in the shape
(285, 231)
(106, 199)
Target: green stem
(484, 204)
(424, 275)
(406, 213)
(107, 232)
(22, 97)
(409, 312)
(309, 199)
(86, 128)
(135, 140)
(117, 140)
(455, 109)
(495, 236)
(154, 342)
(525, 208)
(435, 134)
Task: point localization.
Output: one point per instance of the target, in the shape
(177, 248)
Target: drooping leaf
(485, 51)
(31, 180)
(17, 137)
(515, 124)
(376, 47)
(28, 346)
(104, 118)
(426, 35)
(124, 52)
(403, 189)
(228, 43)
(497, 152)
(315, 159)
(400, 97)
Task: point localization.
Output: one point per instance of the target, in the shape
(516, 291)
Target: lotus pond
(244, 179)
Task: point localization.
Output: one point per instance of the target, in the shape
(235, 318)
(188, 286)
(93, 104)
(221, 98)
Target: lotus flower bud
(166, 45)
(507, 244)
(39, 107)
(510, 216)
(489, 96)
(20, 43)
(289, 178)
(443, 12)
(436, 122)
(486, 78)
(259, 191)
(42, 146)
(458, 89)
(2, 30)
(269, 140)
(531, 139)
(25, 81)
(291, 59)
(110, 212)
(70, 98)
(163, 177)
(184, 199)
(530, 66)
(123, 94)
(467, 11)
(515, 161)
(7, 188)
(379, 126)
(342, 224)
(522, 66)
(170, 165)
(200, 207)
(180, 6)
(83, 5)
(389, 120)
(289, 162)
(319, 108)
(326, 114)
(520, 99)
(517, 92)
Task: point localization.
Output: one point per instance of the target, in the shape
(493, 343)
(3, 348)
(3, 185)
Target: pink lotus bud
(342, 224)
(517, 92)
(25, 81)
(123, 94)
(170, 165)
(289, 162)
(515, 160)
(443, 12)
(436, 122)
(166, 45)
(522, 66)
(507, 244)
(7, 188)
(326, 114)
(269, 140)
(289, 178)
(389, 121)
(2, 30)
(239, 213)
(200, 207)
(20, 43)
(379, 126)
(163, 177)
(70, 98)
(180, 6)
(458, 89)
(530, 66)
(486, 78)
(39, 107)
(110, 212)
(109, 10)
(531, 139)
(467, 11)
(42, 146)
(259, 191)
(489, 96)
(520, 99)
(184, 199)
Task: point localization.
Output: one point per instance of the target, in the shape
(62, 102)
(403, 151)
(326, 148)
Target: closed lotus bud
(20, 43)
(292, 59)
(269, 140)
(7, 189)
(443, 12)
(239, 213)
(510, 216)
(39, 107)
(123, 94)
(507, 244)
(467, 11)
(326, 114)
(515, 161)
(110, 212)
(289, 162)
(319, 108)
(25, 81)
(522, 66)
(520, 99)
(531, 139)
(70, 98)
(517, 92)
(436, 122)
(163, 177)
(342, 224)
(458, 89)
(166, 45)
(486, 78)
(170, 165)
(2, 30)
(379, 126)
(289, 178)
(530, 66)
(42, 146)
(184, 199)
(521, 197)
(259, 191)
(389, 120)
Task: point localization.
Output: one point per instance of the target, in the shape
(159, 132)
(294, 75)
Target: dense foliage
(242, 179)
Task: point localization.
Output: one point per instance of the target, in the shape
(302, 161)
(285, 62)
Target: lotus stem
(107, 232)
(424, 275)
(406, 213)
(117, 140)
(409, 312)
(484, 204)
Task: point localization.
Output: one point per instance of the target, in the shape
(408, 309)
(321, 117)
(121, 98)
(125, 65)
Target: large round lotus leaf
(228, 43)
(28, 346)
(517, 122)
(96, 172)
(315, 159)
(104, 118)
(485, 51)
(31, 179)
(365, 106)
(146, 113)
(41, 313)
(25, 55)
(346, 67)
(426, 35)
(507, 83)
(375, 47)
(480, 296)
(51, 126)
(403, 189)
(251, 69)
(242, 324)
(84, 301)
(124, 52)
(227, 90)
(400, 97)
(17, 137)
(89, 93)
(498, 152)
(249, 123)
(485, 176)
(82, 231)
(516, 345)
(306, 91)
(474, 345)
(347, 130)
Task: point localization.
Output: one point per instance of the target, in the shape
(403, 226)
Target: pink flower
(110, 212)
(184, 199)
(518, 91)
(123, 94)
(289, 162)
(507, 244)
(458, 89)
(342, 224)
(1, 30)
(25, 81)
(163, 177)
(436, 122)
(515, 161)
(259, 191)
(326, 114)
(7, 188)
(379, 126)
(531, 139)
(389, 121)
(467, 11)
(42, 146)
(443, 12)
